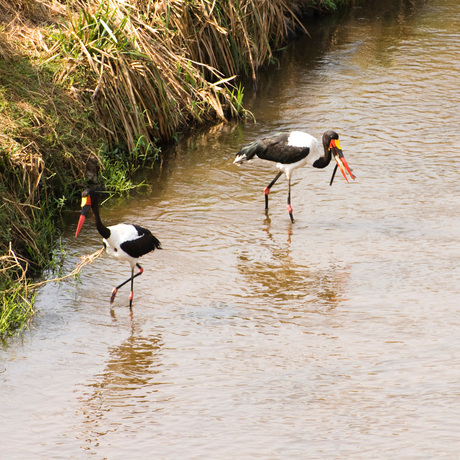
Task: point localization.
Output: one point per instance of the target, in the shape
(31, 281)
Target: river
(334, 337)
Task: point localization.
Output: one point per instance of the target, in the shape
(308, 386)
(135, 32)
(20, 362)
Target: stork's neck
(324, 160)
(101, 228)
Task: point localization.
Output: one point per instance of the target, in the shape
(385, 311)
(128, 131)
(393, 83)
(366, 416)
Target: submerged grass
(90, 90)
(16, 305)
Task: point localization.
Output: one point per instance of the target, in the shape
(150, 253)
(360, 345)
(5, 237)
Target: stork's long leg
(131, 278)
(269, 186)
(289, 207)
(131, 294)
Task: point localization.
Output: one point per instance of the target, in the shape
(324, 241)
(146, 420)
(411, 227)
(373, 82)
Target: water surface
(251, 337)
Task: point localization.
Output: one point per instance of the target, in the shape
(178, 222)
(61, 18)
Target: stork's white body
(303, 141)
(119, 234)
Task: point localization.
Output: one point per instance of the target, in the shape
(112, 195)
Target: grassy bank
(91, 90)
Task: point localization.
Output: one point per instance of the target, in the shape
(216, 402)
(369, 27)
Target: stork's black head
(91, 193)
(87, 192)
(327, 138)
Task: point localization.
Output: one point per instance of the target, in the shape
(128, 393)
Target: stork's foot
(266, 192)
(289, 208)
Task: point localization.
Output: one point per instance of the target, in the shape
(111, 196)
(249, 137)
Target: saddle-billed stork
(126, 242)
(291, 151)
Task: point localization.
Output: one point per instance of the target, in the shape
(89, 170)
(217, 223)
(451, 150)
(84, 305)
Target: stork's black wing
(142, 245)
(278, 150)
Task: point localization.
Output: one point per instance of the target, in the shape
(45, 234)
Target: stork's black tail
(249, 151)
(156, 242)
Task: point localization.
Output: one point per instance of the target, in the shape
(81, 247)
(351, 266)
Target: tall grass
(141, 83)
(155, 68)
(235, 37)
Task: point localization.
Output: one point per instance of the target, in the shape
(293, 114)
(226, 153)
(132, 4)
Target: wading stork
(292, 150)
(126, 242)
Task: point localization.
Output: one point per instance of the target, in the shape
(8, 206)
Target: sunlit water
(251, 337)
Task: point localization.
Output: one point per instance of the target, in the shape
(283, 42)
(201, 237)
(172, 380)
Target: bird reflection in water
(122, 388)
(272, 270)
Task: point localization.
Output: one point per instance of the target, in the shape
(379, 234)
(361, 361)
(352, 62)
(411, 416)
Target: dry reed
(155, 68)
(84, 260)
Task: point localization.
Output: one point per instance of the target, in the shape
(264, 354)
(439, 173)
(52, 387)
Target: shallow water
(251, 337)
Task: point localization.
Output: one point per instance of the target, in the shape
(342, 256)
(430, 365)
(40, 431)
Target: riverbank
(92, 91)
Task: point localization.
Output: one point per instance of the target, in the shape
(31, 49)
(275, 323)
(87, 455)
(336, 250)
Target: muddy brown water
(251, 337)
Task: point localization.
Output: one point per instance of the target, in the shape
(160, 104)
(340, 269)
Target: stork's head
(85, 207)
(332, 146)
